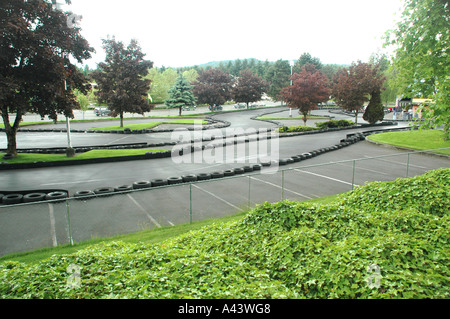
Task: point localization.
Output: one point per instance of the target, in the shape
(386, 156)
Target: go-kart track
(120, 197)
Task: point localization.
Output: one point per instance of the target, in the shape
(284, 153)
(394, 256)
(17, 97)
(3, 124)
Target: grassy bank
(277, 250)
(149, 125)
(417, 140)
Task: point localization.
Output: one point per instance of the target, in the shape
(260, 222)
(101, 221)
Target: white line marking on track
(393, 162)
(52, 224)
(278, 186)
(144, 210)
(221, 199)
(364, 169)
(327, 177)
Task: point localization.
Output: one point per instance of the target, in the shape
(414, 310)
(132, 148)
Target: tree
(190, 75)
(180, 95)
(277, 75)
(304, 59)
(120, 79)
(375, 110)
(248, 88)
(213, 86)
(353, 86)
(36, 74)
(421, 41)
(161, 82)
(309, 87)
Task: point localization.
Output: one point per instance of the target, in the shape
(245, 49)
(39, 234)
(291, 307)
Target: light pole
(70, 152)
(291, 63)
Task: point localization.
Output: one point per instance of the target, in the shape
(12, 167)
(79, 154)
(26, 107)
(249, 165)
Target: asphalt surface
(31, 226)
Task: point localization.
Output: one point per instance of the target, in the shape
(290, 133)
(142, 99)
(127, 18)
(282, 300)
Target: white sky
(178, 33)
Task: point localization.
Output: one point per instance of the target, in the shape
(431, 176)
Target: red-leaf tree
(249, 87)
(309, 87)
(36, 74)
(352, 86)
(212, 87)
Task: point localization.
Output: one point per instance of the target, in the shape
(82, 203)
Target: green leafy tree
(120, 79)
(306, 58)
(277, 75)
(36, 73)
(421, 42)
(161, 82)
(180, 95)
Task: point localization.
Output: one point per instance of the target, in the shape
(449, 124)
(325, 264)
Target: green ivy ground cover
(382, 240)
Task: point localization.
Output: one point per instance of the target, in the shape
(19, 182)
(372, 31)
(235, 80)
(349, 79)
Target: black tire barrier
(11, 199)
(248, 168)
(1, 196)
(307, 155)
(257, 167)
(84, 194)
(174, 180)
(34, 197)
(296, 158)
(217, 174)
(141, 184)
(266, 163)
(104, 190)
(282, 162)
(56, 195)
(289, 160)
(239, 170)
(159, 182)
(123, 188)
(228, 172)
(189, 178)
(203, 176)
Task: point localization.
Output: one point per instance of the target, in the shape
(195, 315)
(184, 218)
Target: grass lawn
(291, 118)
(34, 157)
(146, 236)
(143, 126)
(417, 140)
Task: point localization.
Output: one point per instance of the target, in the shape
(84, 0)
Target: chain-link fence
(35, 225)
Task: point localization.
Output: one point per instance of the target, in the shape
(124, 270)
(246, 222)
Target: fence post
(353, 177)
(407, 167)
(68, 221)
(248, 204)
(190, 203)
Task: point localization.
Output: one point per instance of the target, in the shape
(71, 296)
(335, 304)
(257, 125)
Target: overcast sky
(177, 33)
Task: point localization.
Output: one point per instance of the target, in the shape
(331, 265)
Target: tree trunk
(121, 119)
(356, 117)
(180, 111)
(11, 131)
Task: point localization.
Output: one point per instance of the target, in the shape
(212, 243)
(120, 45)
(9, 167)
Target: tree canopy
(180, 95)
(422, 61)
(213, 86)
(248, 88)
(36, 74)
(309, 87)
(120, 79)
(353, 86)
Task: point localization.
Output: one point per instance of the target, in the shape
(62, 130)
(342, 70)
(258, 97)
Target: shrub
(334, 124)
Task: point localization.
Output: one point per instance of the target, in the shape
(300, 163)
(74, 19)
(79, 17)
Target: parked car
(102, 111)
(240, 106)
(215, 107)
